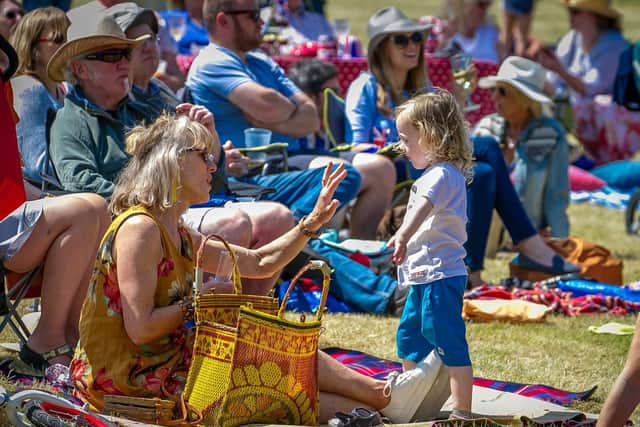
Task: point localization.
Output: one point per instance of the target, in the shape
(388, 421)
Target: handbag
(262, 371)
(223, 308)
(151, 410)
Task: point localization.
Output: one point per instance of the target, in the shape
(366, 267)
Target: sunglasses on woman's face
(501, 91)
(402, 40)
(59, 39)
(208, 158)
(110, 55)
(13, 14)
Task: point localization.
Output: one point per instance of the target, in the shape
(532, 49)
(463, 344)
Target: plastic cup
(224, 269)
(257, 137)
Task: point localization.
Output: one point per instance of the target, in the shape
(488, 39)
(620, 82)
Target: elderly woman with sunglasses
(36, 95)
(536, 146)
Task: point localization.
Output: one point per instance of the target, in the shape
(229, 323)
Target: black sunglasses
(254, 14)
(110, 55)
(402, 41)
(13, 14)
(500, 91)
(58, 39)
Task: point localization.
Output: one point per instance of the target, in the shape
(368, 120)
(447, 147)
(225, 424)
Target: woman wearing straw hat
(533, 142)
(586, 58)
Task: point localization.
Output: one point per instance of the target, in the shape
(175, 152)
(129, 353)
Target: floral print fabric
(106, 361)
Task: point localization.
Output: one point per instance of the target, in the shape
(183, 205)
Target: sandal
(359, 417)
(40, 361)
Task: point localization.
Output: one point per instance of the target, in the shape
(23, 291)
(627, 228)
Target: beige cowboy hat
(91, 34)
(525, 75)
(390, 20)
(599, 7)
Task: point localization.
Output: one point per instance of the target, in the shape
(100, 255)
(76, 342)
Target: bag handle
(235, 276)
(326, 278)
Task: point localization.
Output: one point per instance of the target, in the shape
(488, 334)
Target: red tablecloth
(439, 71)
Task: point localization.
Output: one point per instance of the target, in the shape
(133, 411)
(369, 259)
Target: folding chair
(15, 289)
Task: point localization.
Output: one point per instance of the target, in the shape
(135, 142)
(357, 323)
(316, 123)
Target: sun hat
(523, 74)
(91, 34)
(390, 20)
(599, 7)
(129, 14)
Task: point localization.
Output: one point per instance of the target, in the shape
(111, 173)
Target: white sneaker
(409, 389)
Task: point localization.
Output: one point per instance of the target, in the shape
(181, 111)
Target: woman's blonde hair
(534, 108)
(28, 30)
(152, 176)
(442, 129)
(380, 67)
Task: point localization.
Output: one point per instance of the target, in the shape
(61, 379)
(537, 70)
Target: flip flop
(613, 328)
(358, 417)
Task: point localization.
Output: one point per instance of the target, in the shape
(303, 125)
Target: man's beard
(246, 42)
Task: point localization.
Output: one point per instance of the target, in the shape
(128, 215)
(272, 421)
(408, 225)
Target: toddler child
(428, 246)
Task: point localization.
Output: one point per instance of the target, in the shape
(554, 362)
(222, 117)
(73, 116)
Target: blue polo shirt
(217, 71)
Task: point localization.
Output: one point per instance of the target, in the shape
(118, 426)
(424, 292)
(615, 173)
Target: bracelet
(186, 305)
(305, 231)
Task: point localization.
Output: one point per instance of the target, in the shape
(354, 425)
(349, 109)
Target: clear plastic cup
(224, 269)
(257, 137)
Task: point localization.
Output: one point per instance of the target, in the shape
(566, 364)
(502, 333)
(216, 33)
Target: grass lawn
(560, 352)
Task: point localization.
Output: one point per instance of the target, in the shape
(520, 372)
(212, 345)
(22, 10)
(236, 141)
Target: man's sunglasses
(110, 55)
(402, 40)
(254, 14)
(13, 14)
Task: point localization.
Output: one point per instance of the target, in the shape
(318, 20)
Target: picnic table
(439, 71)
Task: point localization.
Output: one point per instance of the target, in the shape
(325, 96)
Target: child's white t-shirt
(435, 251)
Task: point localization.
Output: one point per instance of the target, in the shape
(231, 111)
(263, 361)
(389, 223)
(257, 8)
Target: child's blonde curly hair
(442, 129)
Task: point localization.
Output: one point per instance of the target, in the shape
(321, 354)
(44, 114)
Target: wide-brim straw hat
(390, 20)
(525, 75)
(91, 34)
(599, 7)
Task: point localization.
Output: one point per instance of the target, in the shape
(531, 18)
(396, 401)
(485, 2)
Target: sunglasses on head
(253, 14)
(402, 40)
(110, 55)
(13, 14)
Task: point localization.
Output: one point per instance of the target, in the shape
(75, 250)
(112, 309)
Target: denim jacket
(87, 142)
(540, 169)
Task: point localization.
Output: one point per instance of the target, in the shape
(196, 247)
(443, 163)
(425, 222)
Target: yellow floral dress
(106, 361)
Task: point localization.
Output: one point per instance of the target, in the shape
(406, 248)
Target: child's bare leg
(461, 386)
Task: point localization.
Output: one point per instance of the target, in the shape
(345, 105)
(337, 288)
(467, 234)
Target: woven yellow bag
(274, 371)
(223, 308)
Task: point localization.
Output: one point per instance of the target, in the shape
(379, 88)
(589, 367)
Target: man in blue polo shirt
(244, 88)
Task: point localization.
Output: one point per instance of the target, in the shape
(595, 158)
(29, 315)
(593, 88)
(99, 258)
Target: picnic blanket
(560, 301)
(606, 196)
(378, 368)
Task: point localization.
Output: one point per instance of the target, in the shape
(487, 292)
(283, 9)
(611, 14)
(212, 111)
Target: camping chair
(276, 153)
(16, 288)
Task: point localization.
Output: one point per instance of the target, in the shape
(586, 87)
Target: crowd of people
(103, 113)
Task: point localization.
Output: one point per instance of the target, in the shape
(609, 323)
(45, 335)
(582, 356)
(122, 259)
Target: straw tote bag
(262, 371)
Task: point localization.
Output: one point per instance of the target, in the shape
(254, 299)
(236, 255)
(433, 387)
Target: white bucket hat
(525, 75)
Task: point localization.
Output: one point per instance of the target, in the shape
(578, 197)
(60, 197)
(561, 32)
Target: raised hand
(326, 205)
(198, 113)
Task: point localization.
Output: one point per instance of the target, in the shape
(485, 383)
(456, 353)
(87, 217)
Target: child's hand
(400, 248)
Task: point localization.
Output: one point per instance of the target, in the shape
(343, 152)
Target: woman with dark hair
(36, 37)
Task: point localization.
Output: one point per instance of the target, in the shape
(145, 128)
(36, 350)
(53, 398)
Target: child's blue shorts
(519, 7)
(432, 318)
